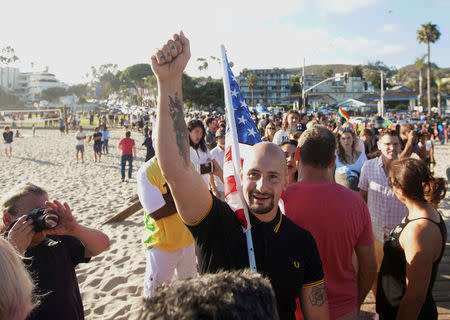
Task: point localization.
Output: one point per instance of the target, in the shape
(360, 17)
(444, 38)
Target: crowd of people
(335, 209)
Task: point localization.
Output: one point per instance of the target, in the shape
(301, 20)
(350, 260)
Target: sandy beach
(111, 284)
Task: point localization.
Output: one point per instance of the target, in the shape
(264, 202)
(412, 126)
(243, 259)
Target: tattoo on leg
(318, 295)
(181, 135)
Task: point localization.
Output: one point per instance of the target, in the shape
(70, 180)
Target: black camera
(419, 133)
(43, 220)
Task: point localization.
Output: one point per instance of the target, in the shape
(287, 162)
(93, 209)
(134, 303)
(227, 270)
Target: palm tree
(252, 81)
(419, 64)
(428, 33)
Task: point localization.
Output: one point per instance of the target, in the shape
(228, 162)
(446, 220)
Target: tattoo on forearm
(181, 135)
(318, 295)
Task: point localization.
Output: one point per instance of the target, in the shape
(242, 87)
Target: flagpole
(236, 158)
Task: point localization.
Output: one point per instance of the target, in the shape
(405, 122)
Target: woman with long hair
(269, 131)
(414, 248)
(349, 160)
(292, 119)
(198, 149)
(290, 148)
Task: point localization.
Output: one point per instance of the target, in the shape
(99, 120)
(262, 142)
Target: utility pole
(382, 95)
(303, 87)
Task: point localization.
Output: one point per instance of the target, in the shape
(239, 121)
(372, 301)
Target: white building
(339, 90)
(38, 82)
(9, 79)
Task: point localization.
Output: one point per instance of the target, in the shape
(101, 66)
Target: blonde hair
(10, 201)
(16, 289)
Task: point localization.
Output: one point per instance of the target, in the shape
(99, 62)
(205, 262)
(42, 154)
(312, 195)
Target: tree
(295, 86)
(8, 55)
(203, 64)
(136, 74)
(419, 64)
(357, 71)
(428, 33)
(53, 94)
(328, 73)
(80, 90)
(252, 81)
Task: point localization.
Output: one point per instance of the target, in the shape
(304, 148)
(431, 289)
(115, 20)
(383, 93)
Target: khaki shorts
(8, 145)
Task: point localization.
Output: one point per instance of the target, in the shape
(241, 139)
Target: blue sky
(71, 36)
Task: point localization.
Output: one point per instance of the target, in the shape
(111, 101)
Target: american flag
(241, 134)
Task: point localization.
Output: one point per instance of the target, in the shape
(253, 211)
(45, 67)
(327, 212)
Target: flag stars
(243, 104)
(242, 120)
(234, 93)
(251, 132)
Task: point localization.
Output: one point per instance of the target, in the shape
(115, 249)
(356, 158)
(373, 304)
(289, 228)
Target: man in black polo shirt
(284, 252)
(54, 253)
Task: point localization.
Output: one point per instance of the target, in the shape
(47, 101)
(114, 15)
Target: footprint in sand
(112, 283)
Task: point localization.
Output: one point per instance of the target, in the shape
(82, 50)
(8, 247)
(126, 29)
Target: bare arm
(367, 270)
(363, 194)
(420, 247)
(189, 191)
(432, 153)
(314, 302)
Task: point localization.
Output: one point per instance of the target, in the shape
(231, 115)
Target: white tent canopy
(352, 103)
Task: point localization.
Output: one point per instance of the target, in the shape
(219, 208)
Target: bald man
(284, 252)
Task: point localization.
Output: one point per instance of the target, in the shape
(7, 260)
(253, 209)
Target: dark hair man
(339, 221)
(8, 139)
(284, 252)
(385, 209)
(128, 148)
(210, 133)
(54, 253)
(225, 295)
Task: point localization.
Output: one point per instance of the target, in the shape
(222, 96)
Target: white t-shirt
(280, 136)
(347, 168)
(218, 154)
(198, 157)
(81, 134)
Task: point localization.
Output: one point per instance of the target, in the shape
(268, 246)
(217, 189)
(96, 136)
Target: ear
(7, 219)
(332, 163)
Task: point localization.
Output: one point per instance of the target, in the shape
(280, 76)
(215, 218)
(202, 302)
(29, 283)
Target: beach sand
(111, 284)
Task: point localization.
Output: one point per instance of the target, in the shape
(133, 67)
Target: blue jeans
(123, 161)
(105, 146)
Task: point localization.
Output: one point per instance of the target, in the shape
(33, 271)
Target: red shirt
(339, 220)
(127, 145)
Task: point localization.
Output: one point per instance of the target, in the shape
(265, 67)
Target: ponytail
(434, 191)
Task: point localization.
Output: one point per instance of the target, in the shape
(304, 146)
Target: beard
(256, 208)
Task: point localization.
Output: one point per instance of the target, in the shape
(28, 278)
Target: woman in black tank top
(415, 247)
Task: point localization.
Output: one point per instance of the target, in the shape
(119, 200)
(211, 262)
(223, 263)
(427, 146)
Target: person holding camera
(48, 233)
(409, 142)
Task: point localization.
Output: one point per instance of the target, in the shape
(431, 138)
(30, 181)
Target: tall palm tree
(428, 33)
(420, 65)
(252, 81)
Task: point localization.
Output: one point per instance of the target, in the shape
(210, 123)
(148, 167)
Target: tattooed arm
(191, 195)
(314, 302)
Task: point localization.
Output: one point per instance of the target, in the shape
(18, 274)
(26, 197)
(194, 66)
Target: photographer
(55, 252)
(409, 142)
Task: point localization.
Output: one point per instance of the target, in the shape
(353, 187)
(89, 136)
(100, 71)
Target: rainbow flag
(343, 114)
(386, 124)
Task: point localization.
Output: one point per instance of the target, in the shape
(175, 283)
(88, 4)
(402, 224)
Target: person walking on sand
(80, 136)
(8, 137)
(127, 146)
(97, 137)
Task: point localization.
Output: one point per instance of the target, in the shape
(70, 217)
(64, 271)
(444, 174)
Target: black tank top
(392, 277)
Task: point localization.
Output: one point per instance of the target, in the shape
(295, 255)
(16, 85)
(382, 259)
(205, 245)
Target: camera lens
(51, 220)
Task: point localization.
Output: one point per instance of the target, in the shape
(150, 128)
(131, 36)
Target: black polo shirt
(284, 252)
(52, 267)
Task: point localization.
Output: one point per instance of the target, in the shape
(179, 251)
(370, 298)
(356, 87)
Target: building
(340, 90)
(38, 82)
(273, 85)
(9, 79)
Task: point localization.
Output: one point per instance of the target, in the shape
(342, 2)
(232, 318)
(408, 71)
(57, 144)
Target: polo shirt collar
(274, 225)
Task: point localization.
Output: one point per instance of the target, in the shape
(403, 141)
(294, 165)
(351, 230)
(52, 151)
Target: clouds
(345, 6)
(73, 36)
(389, 27)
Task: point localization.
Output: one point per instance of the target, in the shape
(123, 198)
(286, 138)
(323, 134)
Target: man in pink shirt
(338, 219)
(128, 148)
